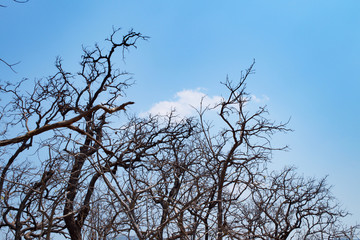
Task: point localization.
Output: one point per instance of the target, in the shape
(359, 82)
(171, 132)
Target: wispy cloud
(184, 103)
(261, 99)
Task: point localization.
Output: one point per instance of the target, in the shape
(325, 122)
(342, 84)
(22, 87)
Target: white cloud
(262, 99)
(184, 103)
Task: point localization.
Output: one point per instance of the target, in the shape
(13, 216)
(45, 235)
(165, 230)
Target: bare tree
(75, 164)
(284, 205)
(53, 108)
(234, 155)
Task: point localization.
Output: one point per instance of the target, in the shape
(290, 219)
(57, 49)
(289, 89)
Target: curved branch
(61, 124)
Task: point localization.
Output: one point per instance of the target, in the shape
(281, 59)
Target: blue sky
(307, 59)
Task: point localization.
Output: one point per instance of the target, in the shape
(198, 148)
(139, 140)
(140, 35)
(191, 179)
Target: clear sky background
(307, 56)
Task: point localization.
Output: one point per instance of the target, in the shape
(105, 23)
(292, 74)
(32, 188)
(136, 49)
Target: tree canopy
(76, 164)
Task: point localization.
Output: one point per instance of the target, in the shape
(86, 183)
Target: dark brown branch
(61, 124)
(10, 65)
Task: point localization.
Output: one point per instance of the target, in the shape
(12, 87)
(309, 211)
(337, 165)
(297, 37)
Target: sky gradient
(307, 57)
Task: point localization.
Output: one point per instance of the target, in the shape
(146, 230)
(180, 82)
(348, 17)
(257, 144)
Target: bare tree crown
(73, 164)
